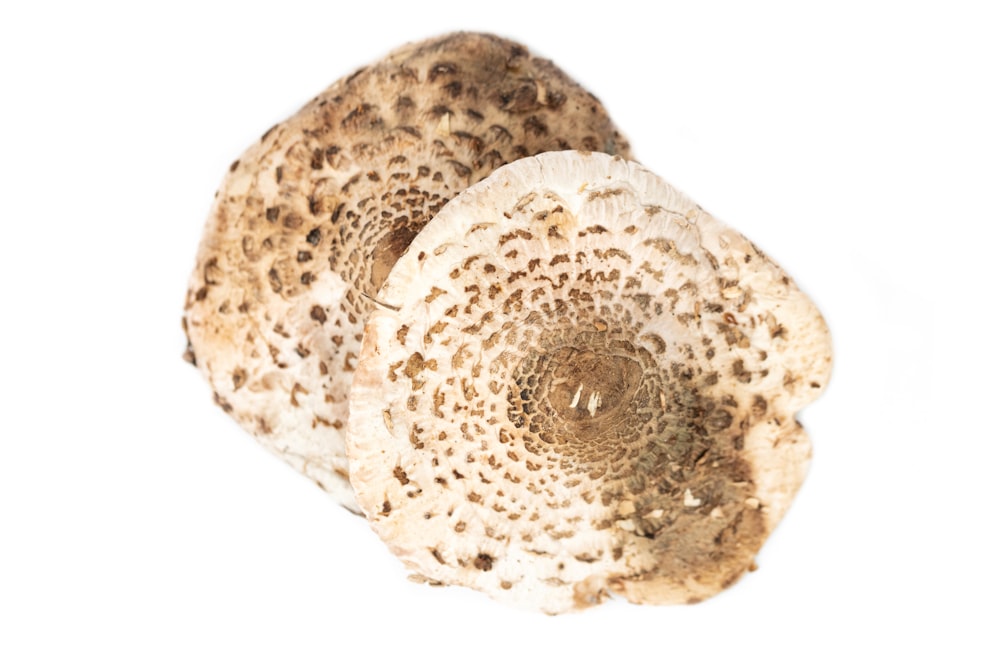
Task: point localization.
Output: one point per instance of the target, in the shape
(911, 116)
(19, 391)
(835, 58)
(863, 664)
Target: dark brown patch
(387, 251)
(400, 475)
(535, 126)
(222, 403)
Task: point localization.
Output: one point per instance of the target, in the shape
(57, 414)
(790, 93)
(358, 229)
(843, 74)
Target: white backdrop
(857, 144)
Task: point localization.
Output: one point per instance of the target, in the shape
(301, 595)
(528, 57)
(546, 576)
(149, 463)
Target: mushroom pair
(540, 372)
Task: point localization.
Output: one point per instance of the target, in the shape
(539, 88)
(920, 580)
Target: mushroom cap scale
(309, 221)
(580, 383)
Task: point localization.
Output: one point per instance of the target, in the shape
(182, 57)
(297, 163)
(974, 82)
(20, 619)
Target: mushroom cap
(580, 383)
(310, 219)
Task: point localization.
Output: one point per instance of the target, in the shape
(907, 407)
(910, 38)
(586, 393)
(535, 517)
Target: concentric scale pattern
(580, 383)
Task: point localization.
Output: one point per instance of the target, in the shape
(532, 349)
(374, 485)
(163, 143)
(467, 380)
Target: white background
(857, 143)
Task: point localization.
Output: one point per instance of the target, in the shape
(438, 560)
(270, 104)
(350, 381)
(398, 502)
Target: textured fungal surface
(580, 383)
(310, 220)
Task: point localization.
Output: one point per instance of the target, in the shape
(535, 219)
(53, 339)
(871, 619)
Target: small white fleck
(716, 513)
(593, 403)
(753, 502)
(443, 128)
(654, 514)
(627, 525)
(576, 397)
(689, 499)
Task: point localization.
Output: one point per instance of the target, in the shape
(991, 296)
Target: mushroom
(578, 383)
(310, 220)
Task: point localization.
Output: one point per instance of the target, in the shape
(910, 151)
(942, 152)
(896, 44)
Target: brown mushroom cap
(582, 383)
(309, 221)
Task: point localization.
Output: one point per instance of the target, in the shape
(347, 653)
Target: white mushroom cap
(309, 221)
(581, 383)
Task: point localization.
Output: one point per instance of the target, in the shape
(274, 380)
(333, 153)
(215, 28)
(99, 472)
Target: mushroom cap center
(587, 387)
(576, 393)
